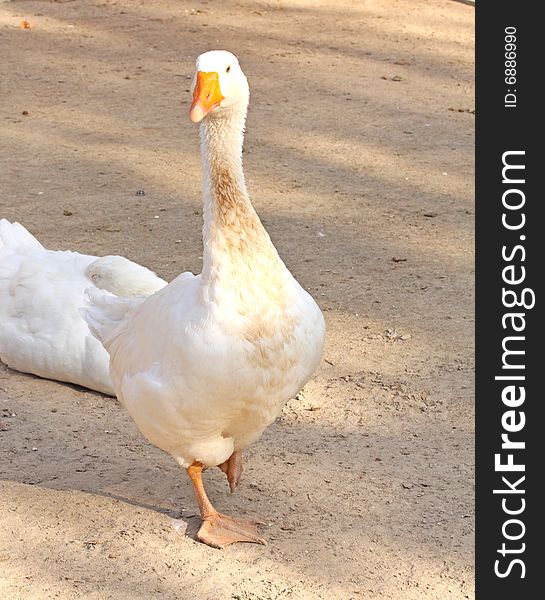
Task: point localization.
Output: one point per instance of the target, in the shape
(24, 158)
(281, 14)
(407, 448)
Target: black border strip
(501, 128)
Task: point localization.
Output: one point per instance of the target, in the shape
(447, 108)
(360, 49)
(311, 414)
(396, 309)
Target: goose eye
(228, 69)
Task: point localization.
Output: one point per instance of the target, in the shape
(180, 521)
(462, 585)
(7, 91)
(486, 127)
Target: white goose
(41, 295)
(205, 364)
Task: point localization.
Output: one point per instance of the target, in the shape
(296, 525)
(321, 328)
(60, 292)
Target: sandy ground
(359, 157)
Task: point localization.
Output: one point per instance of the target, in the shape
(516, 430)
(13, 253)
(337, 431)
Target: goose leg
(219, 530)
(233, 468)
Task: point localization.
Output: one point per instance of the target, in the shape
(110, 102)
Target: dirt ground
(359, 158)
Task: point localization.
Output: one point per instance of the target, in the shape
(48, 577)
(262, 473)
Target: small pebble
(178, 524)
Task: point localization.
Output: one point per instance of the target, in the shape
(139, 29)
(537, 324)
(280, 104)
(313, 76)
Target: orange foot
(233, 468)
(219, 530)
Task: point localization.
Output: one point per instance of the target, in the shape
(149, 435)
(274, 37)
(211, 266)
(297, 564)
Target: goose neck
(232, 231)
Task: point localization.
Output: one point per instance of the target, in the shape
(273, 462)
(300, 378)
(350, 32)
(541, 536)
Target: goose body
(205, 365)
(42, 293)
(202, 373)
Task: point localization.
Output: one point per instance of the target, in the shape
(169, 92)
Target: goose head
(219, 86)
(122, 277)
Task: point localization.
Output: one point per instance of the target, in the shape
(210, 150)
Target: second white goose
(42, 293)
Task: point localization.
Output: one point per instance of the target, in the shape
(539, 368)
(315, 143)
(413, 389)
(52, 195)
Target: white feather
(41, 294)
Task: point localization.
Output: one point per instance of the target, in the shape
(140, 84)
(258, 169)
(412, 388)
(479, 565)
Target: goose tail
(13, 235)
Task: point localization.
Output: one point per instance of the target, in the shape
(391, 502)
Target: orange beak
(206, 96)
